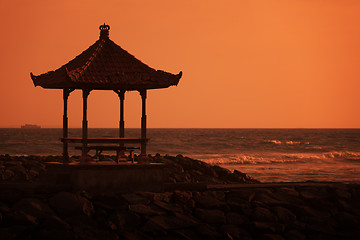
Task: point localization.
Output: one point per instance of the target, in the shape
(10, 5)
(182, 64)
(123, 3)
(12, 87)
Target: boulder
(284, 215)
(314, 193)
(54, 234)
(20, 172)
(263, 215)
(7, 175)
(207, 201)
(14, 232)
(70, 204)
(346, 220)
(266, 227)
(293, 234)
(165, 196)
(169, 207)
(4, 208)
(144, 210)
(212, 216)
(234, 218)
(109, 202)
(187, 234)
(128, 221)
(182, 196)
(54, 222)
(33, 207)
(21, 218)
(269, 236)
(244, 194)
(208, 232)
(233, 232)
(267, 197)
(169, 223)
(133, 198)
(343, 193)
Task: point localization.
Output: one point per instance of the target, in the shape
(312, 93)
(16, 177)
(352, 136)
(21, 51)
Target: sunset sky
(246, 64)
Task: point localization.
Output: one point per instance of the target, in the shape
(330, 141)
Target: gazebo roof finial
(104, 31)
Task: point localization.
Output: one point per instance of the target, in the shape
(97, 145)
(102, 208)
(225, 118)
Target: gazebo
(105, 66)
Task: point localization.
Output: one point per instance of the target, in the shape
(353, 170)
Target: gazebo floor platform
(106, 176)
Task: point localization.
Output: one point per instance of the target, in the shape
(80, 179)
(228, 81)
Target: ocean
(269, 155)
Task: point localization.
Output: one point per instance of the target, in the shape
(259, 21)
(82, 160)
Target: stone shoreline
(224, 211)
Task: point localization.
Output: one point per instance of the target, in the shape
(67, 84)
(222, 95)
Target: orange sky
(274, 63)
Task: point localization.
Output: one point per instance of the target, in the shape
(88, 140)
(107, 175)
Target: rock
(33, 207)
(4, 208)
(133, 198)
(12, 163)
(289, 191)
(343, 193)
(13, 232)
(235, 218)
(144, 210)
(264, 215)
(309, 211)
(54, 234)
(244, 194)
(346, 220)
(213, 216)
(33, 173)
(135, 235)
(321, 224)
(20, 173)
(86, 228)
(267, 197)
(165, 196)
(206, 201)
(208, 232)
(269, 236)
(54, 222)
(314, 193)
(128, 221)
(294, 235)
(70, 204)
(232, 231)
(240, 206)
(169, 223)
(187, 234)
(7, 175)
(168, 206)
(298, 225)
(182, 196)
(21, 218)
(110, 202)
(284, 215)
(267, 227)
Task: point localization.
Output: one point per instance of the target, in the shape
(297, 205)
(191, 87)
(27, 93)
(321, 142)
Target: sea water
(269, 155)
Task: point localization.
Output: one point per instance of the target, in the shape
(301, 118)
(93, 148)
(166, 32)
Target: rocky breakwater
(247, 211)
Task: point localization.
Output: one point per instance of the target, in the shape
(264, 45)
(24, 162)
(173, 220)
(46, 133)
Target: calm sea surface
(269, 155)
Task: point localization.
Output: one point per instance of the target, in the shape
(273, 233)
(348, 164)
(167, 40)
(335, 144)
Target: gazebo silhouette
(105, 66)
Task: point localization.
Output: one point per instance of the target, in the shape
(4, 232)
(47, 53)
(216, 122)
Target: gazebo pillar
(83, 159)
(66, 93)
(121, 95)
(143, 122)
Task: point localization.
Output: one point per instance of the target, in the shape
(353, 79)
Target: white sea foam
(274, 158)
(278, 142)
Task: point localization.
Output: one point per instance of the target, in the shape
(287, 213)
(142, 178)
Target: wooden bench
(118, 149)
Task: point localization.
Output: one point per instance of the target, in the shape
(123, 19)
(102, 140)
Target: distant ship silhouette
(30, 126)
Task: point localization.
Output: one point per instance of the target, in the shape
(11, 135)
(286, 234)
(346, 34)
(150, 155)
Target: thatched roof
(105, 65)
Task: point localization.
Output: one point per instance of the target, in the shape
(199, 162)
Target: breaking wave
(278, 158)
(278, 142)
